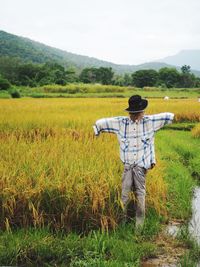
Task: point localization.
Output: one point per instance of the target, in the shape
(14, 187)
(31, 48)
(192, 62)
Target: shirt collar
(136, 121)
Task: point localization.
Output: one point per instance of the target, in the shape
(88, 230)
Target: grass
(192, 256)
(4, 94)
(33, 247)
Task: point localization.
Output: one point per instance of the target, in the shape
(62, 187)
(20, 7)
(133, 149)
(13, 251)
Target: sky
(118, 31)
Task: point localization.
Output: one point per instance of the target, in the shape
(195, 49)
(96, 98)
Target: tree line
(14, 71)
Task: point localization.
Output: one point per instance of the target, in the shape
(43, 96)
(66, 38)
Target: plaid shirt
(136, 139)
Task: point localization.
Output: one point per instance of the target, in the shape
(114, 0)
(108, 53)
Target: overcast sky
(125, 32)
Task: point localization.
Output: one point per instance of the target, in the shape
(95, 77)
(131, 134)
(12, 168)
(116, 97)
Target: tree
(104, 75)
(186, 69)
(197, 82)
(56, 73)
(71, 75)
(100, 75)
(27, 74)
(188, 79)
(169, 76)
(118, 80)
(4, 84)
(127, 79)
(143, 78)
(9, 67)
(88, 75)
(52, 72)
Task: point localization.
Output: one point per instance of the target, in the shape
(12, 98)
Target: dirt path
(169, 249)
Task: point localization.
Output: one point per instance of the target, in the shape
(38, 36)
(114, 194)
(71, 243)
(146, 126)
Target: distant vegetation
(25, 63)
(14, 71)
(30, 51)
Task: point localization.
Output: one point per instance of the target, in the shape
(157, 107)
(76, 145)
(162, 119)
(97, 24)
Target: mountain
(184, 57)
(32, 51)
(28, 50)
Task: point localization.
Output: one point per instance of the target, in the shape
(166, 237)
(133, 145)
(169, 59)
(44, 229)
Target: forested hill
(31, 51)
(28, 50)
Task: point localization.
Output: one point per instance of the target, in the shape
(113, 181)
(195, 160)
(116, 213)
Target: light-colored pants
(133, 179)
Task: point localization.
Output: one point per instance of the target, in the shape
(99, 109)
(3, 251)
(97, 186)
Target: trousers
(133, 179)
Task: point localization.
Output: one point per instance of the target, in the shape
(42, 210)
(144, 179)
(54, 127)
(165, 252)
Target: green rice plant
(179, 149)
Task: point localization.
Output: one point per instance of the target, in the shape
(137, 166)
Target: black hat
(136, 104)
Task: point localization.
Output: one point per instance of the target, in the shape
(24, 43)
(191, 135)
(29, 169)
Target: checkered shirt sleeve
(108, 125)
(161, 119)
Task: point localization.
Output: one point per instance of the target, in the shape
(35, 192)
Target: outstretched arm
(161, 119)
(108, 125)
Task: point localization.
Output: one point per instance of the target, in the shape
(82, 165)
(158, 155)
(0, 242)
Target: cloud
(128, 31)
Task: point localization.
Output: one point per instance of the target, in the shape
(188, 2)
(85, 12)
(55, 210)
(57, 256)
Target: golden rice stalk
(196, 131)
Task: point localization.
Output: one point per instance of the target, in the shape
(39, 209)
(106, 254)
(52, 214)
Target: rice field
(102, 91)
(196, 131)
(55, 172)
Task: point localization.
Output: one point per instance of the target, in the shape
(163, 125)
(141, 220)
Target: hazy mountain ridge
(28, 50)
(189, 57)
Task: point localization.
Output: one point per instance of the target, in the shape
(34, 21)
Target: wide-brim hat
(136, 104)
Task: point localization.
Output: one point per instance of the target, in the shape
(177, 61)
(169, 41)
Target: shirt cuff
(95, 130)
(171, 116)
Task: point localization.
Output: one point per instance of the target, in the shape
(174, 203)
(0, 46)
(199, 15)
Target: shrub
(15, 94)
